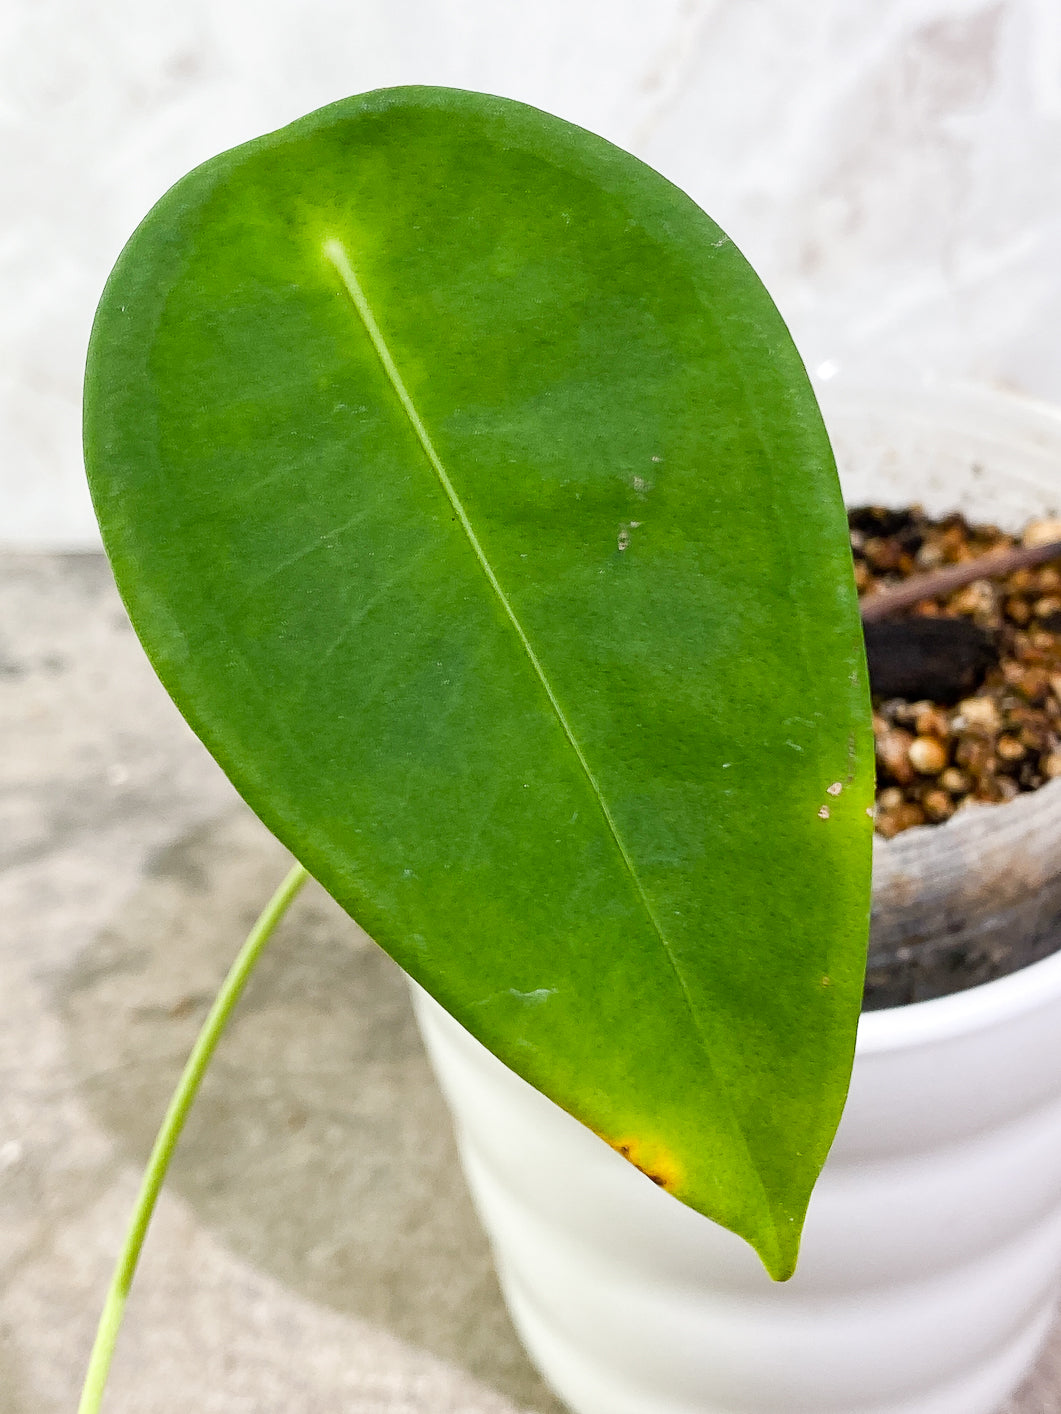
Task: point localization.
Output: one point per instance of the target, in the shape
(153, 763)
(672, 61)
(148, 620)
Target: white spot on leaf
(538, 995)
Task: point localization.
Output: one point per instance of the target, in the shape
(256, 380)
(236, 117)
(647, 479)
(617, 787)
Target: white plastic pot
(931, 1259)
(931, 1256)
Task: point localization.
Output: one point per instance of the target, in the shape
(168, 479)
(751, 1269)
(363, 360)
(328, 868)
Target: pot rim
(989, 1004)
(983, 409)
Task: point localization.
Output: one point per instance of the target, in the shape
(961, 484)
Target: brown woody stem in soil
(936, 583)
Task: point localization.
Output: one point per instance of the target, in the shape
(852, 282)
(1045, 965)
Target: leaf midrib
(335, 252)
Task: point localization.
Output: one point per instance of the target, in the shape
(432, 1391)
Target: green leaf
(470, 499)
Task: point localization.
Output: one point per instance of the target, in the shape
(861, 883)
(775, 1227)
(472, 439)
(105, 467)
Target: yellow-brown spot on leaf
(648, 1158)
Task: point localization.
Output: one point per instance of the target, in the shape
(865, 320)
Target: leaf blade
(590, 380)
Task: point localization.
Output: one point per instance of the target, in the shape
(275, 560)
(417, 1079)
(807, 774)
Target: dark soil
(967, 687)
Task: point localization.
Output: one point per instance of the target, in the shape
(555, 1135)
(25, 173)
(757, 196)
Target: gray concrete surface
(314, 1249)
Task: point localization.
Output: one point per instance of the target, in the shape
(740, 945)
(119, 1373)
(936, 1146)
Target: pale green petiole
(170, 1131)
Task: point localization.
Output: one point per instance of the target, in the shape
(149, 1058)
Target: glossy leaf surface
(470, 499)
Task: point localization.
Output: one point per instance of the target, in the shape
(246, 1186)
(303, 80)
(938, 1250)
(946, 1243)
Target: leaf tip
(782, 1264)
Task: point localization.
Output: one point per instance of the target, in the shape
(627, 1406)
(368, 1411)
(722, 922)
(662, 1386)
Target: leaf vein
(335, 252)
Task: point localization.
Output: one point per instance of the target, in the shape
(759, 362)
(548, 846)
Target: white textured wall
(892, 167)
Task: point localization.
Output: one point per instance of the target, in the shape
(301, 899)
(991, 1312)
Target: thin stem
(169, 1133)
(935, 583)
